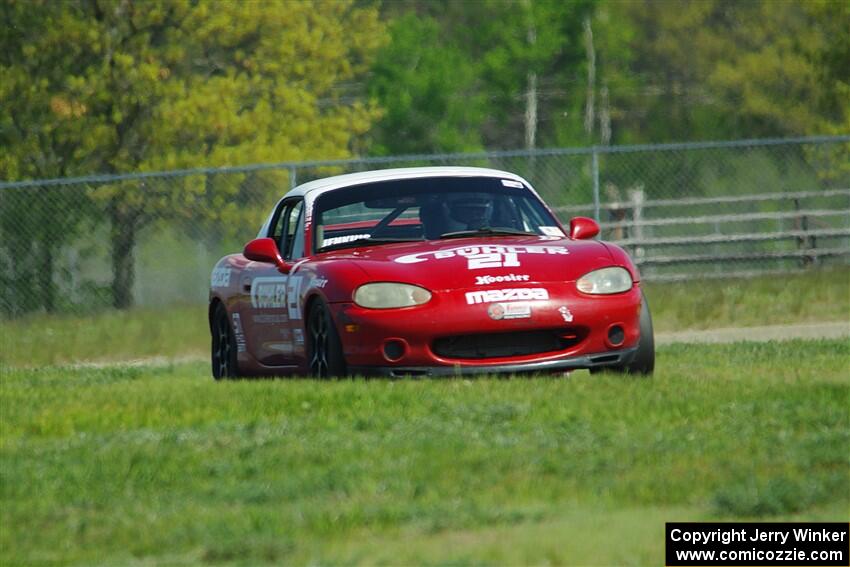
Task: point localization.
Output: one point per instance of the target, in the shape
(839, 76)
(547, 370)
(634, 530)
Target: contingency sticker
(340, 239)
(238, 333)
(271, 319)
(511, 183)
(283, 348)
(294, 295)
(268, 293)
(552, 231)
(220, 277)
(499, 311)
(566, 313)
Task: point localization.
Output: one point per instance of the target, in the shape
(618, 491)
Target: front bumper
(600, 360)
(425, 336)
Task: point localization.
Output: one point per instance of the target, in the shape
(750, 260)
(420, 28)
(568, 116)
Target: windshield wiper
(488, 231)
(365, 240)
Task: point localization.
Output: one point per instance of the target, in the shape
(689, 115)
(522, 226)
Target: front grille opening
(408, 372)
(505, 345)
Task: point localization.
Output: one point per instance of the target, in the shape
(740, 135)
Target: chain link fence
(683, 211)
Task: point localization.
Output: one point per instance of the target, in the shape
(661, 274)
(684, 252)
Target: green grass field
(160, 465)
(817, 296)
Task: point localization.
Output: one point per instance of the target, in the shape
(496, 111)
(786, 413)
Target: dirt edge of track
(832, 330)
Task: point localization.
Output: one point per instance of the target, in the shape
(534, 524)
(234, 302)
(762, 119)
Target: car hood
(465, 262)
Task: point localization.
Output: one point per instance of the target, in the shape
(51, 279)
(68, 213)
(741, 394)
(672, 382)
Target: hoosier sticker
(486, 280)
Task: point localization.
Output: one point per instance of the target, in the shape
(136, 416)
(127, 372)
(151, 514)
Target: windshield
(428, 209)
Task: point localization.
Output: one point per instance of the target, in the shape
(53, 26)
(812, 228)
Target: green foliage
(696, 69)
(42, 339)
(757, 498)
(170, 84)
(425, 84)
(35, 226)
(818, 296)
(158, 464)
(106, 87)
(543, 38)
(714, 69)
(112, 86)
(452, 80)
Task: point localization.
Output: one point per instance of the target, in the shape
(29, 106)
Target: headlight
(389, 295)
(605, 281)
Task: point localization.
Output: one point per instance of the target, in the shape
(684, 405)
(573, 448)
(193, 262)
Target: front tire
(644, 360)
(325, 348)
(224, 363)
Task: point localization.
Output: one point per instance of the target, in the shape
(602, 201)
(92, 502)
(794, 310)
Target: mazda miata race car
(425, 271)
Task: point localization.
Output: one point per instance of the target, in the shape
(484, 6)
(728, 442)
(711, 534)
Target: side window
(278, 223)
(297, 247)
(288, 230)
(293, 232)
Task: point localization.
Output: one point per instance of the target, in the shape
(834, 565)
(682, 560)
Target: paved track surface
(761, 334)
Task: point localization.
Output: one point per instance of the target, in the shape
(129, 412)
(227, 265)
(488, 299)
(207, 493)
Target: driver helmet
(471, 209)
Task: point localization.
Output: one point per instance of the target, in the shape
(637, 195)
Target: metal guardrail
(729, 238)
(743, 217)
(783, 236)
(657, 260)
(685, 201)
(734, 274)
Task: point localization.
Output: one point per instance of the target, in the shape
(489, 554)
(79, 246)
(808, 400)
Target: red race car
(425, 271)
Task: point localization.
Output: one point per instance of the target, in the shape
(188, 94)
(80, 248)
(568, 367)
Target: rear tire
(324, 352)
(644, 360)
(224, 363)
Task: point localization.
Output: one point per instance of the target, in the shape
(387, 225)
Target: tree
(721, 69)
(532, 54)
(171, 83)
(37, 140)
(833, 60)
(464, 75)
(428, 88)
(774, 74)
(714, 69)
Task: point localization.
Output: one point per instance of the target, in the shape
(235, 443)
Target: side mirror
(265, 250)
(582, 228)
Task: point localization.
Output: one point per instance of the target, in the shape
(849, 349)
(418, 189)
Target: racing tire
(644, 359)
(324, 352)
(224, 349)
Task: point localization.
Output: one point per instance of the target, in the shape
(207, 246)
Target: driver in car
(468, 211)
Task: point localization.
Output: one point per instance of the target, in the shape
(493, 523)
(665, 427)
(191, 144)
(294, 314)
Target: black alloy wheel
(325, 352)
(224, 364)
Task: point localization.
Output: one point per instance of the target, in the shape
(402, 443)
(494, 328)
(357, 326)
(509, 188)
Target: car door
(268, 331)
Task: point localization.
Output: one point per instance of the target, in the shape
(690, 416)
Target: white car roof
(313, 189)
(320, 186)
